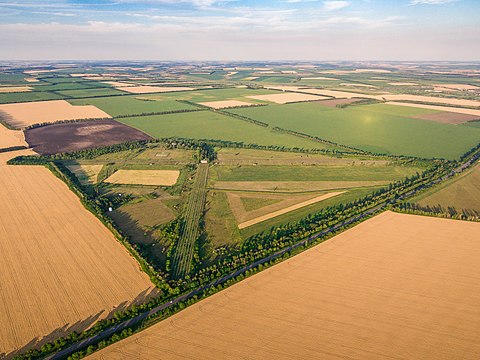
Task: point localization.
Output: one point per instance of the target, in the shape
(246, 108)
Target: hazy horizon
(237, 30)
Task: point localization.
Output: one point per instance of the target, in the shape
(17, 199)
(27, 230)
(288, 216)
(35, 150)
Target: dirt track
(395, 287)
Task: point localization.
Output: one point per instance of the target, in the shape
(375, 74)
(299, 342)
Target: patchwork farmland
(207, 173)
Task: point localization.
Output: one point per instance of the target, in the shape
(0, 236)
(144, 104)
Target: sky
(311, 30)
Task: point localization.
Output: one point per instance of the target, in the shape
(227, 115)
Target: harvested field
(145, 89)
(287, 97)
(145, 177)
(461, 193)
(293, 186)
(9, 138)
(119, 83)
(225, 104)
(449, 109)
(147, 213)
(74, 136)
(335, 102)
(287, 209)
(372, 292)
(30, 80)
(86, 174)
(447, 117)
(21, 115)
(61, 268)
(14, 89)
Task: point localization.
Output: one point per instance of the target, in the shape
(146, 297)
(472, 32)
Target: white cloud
(335, 5)
(430, 2)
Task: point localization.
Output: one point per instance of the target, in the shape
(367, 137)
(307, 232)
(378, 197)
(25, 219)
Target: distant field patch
(145, 177)
(145, 89)
(287, 97)
(14, 89)
(472, 112)
(24, 114)
(447, 117)
(86, 174)
(225, 104)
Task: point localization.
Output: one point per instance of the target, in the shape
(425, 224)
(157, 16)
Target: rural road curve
(64, 353)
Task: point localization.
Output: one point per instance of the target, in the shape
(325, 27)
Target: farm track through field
(183, 255)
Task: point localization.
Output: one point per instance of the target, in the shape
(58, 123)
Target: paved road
(62, 354)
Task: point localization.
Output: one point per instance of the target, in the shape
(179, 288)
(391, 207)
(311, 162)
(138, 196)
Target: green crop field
(377, 128)
(312, 173)
(66, 86)
(210, 125)
(28, 96)
(130, 105)
(90, 92)
(213, 95)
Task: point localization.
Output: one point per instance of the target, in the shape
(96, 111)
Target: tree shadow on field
(80, 326)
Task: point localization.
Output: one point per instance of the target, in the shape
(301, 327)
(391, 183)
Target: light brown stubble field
(394, 287)
(61, 269)
(24, 114)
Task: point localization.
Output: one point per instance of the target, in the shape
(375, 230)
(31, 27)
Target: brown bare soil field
(61, 269)
(67, 137)
(293, 186)
(85, 173)
(473, 112)
(145, 89)
(24, 114)
(287, 97)
(9, 138)
(285, 210)
(447, 117)
(145, 177)
(223, 104)
(394, 287)
(13, 89)
(335, 102)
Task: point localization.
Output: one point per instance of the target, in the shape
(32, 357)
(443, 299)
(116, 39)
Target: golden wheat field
(61, 269)
(144, 177)
(287, 97)
(394, 287)
(9, 138)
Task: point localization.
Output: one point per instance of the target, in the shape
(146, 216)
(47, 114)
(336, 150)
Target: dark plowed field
(67, 137)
